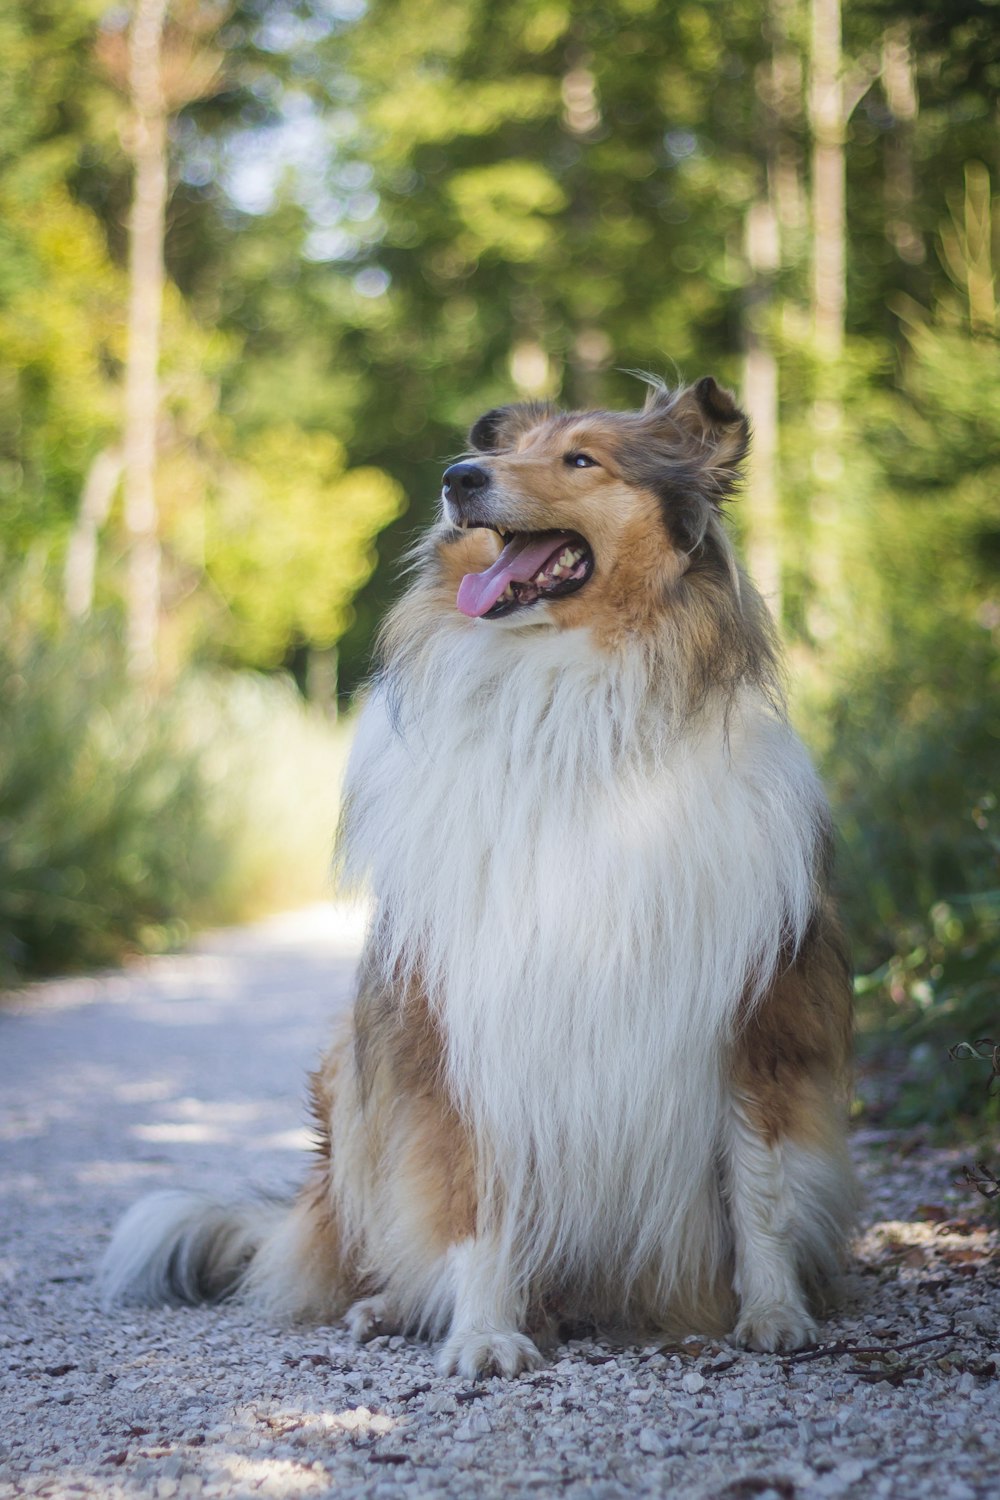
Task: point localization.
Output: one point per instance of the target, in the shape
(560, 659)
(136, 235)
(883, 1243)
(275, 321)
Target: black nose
(461, 479)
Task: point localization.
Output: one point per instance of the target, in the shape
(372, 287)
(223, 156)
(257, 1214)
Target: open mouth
(533, 565)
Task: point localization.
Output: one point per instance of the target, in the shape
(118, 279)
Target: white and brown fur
(596, 1064)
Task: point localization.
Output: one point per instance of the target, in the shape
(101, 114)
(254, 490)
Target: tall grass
(124, 823)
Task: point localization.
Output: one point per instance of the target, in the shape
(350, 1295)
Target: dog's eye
(580, 461)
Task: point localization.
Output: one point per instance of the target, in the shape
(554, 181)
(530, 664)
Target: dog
(596, 1066)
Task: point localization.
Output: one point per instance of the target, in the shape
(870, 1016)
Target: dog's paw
(368, 1318)
(487, 1352)
(770, 1329)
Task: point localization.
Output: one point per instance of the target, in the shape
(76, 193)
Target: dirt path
(189, 1071)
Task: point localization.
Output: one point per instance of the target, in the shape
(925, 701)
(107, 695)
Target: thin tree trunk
(829, 302)
(321, 680)
(776, 216)
(900, 88)
(148, 146)
(590, 350)
(826, 118)
(99, 488)
(784, 86)
(760, 393)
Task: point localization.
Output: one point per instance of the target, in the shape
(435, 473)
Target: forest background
(262, 262)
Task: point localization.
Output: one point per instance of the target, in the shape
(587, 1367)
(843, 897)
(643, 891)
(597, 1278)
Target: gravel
(189, 1070)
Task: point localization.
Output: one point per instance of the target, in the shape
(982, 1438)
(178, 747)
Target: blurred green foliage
(126, 822)
(104, 840)
(267, 527)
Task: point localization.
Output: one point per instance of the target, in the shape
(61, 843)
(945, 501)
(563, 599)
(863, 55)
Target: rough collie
(595, 1067)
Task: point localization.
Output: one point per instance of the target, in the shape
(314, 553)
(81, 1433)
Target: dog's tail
(178, 1247)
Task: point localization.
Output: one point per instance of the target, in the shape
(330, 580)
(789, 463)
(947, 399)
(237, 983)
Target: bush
(939, 991)
(909, 754)
(271, 766)
(126, 822)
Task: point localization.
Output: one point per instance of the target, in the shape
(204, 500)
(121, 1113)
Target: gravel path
(189, 1070)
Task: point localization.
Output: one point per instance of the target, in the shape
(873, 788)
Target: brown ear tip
(716, 402)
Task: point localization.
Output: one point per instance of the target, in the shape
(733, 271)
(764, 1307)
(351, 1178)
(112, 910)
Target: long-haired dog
(595, 1067)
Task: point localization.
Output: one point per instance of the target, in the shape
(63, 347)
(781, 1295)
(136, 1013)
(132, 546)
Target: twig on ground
(983, 1179)
(857, 1351)
(986, 1049)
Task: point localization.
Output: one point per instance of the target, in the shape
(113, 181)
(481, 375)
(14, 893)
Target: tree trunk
(900, 89)
(590, 349)
(783, 85)
(826, 119)
(829, 302)
(760, 394)
(81, 555)
(148, 146)
(776, 216)
(321, 680)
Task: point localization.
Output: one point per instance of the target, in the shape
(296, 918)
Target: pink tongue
(519, 561)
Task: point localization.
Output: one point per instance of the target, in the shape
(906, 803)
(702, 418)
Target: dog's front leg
(485, 1336)
(764, 1215)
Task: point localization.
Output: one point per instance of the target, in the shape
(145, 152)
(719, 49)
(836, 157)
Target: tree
(148, 147)
(161, 69)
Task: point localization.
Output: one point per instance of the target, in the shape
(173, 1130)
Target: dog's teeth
(557, 571)
(568, 558)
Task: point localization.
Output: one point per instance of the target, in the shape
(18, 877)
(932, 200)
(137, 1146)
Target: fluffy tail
(183, 1247)
(285, 1257)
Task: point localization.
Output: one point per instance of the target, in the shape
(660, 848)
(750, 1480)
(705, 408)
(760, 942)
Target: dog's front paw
(768, 1329)
(487, 1352)
(368, 1318)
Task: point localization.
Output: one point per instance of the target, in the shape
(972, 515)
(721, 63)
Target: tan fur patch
(435, 1170)
(401, 1163)
(460, 553)
(791, 1061)
(635, 570)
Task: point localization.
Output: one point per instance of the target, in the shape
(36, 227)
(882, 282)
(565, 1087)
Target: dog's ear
(501, 427)
(708, 427)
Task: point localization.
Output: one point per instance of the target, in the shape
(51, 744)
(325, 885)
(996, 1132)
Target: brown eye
(580, 461)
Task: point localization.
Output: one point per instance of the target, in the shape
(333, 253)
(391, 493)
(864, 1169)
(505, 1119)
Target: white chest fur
(588, 888)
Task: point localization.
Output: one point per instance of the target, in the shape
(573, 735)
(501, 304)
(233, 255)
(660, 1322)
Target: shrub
(125, 822)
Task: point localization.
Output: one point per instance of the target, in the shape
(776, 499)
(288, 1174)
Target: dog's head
(565, 517)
